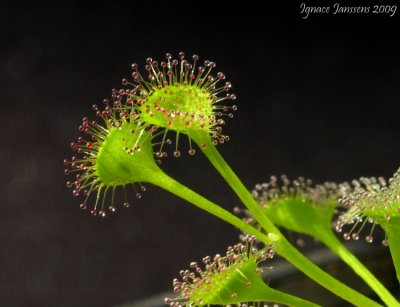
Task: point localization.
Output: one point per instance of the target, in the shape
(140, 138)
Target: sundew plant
(185, 98)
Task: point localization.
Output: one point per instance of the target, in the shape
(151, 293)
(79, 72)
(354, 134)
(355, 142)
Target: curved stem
(315, 220)
(303, 264)
(283, 247)
(331, 241)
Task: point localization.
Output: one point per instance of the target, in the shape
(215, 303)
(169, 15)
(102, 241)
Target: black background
(316, 97)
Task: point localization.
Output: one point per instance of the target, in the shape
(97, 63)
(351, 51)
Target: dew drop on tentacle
(237, 210)
(167, 301)
(300, 242)
(177, 153)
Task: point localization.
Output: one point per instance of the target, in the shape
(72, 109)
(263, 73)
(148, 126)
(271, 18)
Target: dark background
(317, 97)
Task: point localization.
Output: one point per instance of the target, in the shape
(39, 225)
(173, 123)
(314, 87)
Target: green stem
(164, 181)
(171, 185)
(283, 247)
(330, 240)
(392, 229)
(263, 293)
(279, 297)
(303, 264)
(316, 220)
(230, 177)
